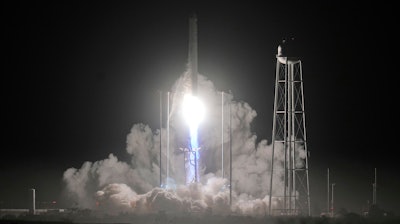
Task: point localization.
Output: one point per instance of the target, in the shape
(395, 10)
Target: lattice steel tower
(289, 135)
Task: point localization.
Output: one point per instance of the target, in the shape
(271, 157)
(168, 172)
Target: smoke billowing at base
(112, 186)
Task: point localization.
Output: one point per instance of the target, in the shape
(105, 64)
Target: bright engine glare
(193, 110)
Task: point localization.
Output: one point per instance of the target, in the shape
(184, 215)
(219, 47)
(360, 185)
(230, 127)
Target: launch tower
(289, 130)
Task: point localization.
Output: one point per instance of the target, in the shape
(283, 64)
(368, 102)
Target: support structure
(161, 184)
(332, 201)
(289, 134)
(374, 185)
(230, 153)
(222, 134)
(327, 201)
(32, 207)
(168, 115)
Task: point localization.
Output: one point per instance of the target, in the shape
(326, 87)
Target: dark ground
(162, 218)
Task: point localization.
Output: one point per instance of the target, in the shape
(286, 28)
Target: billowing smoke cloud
(114, 186)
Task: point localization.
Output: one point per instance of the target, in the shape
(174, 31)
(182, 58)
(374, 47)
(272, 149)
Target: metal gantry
(289, 131)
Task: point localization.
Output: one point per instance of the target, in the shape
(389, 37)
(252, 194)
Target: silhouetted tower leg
(289, 131)
(374, 185)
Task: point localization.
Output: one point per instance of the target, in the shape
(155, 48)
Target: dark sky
(77, 76)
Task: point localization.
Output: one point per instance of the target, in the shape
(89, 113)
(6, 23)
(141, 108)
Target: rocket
(192, 62)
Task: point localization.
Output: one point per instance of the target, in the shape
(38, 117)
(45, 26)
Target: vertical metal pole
(374, 190)
(285, 161)
(222, 133)
(333, 188)
(167, 138)
(292, 139)
(288, 136)
(230, 154)
(273, 138)
(184, 165)
(160, 135)
(327, 201)
(305, 139)
(286, 129)
(376, 185)
(33, 208)
(195, 167)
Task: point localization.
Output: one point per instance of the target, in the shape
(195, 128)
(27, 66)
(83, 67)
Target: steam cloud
(114, 186)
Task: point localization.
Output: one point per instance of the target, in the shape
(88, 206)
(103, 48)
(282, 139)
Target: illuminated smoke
(114, 186)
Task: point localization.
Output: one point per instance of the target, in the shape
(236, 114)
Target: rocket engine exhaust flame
(193, 111)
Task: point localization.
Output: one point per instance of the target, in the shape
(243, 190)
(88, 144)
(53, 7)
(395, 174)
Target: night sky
(77, 75)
